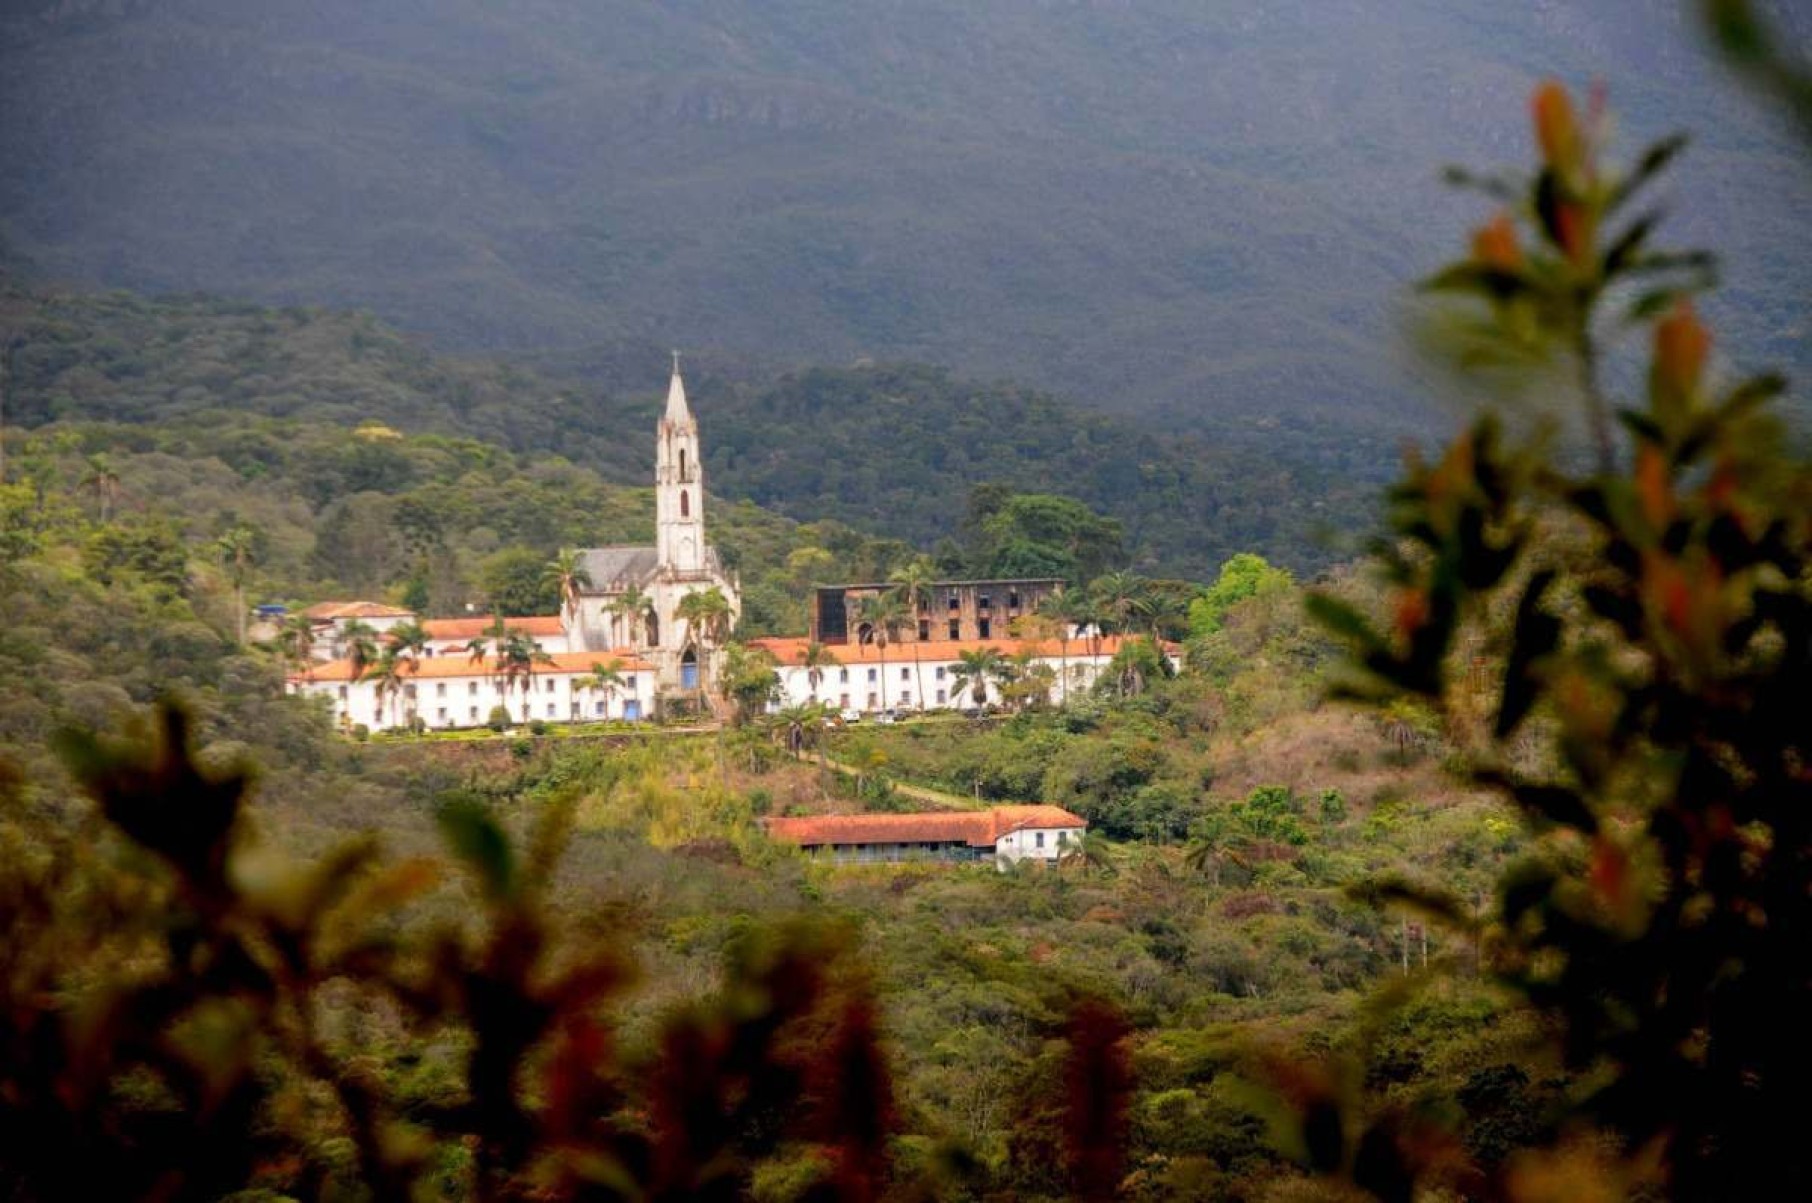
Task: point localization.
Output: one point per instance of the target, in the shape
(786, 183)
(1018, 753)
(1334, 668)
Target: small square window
(938, 673)
(873, 674)
(843, 676)
(471, 689)
(905, 673)
(871, 701)
(981, 603)
(941, 699)
(440, 691)
(1013, 599)
(472, 713)
(982, 627)
(441, 714)
(843, 701)
(956, 629)
(924, 629)
(1038, 839)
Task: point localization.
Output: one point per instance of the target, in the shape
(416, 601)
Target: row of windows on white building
(511, 697)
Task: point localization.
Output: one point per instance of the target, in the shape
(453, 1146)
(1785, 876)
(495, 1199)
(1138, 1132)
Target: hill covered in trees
(892, 451)
(1152, 207)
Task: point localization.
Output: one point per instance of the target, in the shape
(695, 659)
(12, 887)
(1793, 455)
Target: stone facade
(959, 610)
(680, 563)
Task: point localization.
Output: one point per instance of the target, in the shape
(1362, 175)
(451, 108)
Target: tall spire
(677, 410)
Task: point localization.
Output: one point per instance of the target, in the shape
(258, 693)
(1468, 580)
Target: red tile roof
(471, 628)
(976, 828)
(563, 664)
(789, 651)
(329, 610)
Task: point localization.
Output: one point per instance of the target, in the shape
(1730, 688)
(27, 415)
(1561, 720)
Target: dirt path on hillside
(922, 793)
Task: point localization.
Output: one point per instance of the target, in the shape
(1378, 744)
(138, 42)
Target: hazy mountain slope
(1206, 209)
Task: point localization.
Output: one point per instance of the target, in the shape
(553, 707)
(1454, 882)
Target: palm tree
(604, 679)
(360, 642)
(516, 662)
(912, 587)
(1025, 680)
(104, 479)
(297, 641)
(1064, 610)
(389, 672)
(632, 608)
(974, 670)
(707, 616)
(235, 551)
(408, 638)
(566, 572)
(882, 614)
(817, 659)
(802, 725)
(489, 640)
(1121, 598)
(1088, 851)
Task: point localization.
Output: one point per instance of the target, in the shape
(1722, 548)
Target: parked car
(851, 715)
(887, 716)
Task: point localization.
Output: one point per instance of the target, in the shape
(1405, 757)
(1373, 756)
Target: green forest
(895, 452)
(1477, 867)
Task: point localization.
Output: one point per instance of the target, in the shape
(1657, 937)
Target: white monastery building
(620, 649)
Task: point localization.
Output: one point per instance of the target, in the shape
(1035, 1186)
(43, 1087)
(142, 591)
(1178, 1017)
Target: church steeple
(679, 507)
(677, 409)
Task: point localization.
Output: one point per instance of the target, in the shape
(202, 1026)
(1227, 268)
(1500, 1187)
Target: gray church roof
(614, 568)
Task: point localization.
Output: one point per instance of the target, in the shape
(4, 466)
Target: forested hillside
(1204, 210)
(893, 451)
(1237, 805)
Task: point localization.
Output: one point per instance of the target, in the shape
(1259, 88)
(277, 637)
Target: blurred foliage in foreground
(203, 1056)
(1656, 652)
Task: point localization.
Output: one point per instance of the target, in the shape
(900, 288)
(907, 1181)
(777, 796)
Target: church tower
(679, 486)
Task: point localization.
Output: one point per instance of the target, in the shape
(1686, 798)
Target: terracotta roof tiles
(976, 828)
(472, 628)
(430, 667)
(332, 610)
(789, 651)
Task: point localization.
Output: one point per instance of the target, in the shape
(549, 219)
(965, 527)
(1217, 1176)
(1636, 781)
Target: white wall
(1034, 843)
(902, 681)
(445, 703)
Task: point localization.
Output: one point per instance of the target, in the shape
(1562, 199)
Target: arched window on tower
(685, 504)
(682, 464)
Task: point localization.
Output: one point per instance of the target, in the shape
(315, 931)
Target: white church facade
(631, 596)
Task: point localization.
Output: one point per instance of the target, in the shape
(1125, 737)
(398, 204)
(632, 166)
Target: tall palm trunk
(918, 672)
